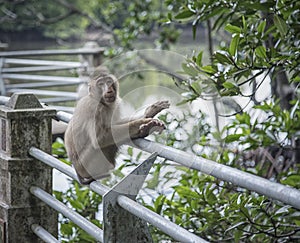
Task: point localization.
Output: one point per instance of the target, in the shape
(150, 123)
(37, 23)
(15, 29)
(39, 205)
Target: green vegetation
(259, 43)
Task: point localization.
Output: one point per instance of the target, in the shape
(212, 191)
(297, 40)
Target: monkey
(96, 129)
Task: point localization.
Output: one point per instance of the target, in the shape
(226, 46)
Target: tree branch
(93, 21)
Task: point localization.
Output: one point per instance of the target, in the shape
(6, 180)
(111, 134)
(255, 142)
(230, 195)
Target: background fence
(42, 75)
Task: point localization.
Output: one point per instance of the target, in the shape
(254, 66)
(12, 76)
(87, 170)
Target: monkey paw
(157, 107)
(150, 127)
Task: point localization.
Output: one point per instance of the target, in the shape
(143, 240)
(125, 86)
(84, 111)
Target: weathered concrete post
(23, 124)
(2, 85)
(94, 58)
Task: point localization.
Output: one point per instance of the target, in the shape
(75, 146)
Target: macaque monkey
(96, 128)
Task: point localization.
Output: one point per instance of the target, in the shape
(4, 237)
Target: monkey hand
(152, 126)
(155, 108)
(143, 127)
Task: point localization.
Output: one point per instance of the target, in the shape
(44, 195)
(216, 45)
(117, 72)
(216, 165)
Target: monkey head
(104, 88)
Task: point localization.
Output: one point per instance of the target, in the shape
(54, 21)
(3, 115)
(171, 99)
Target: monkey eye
(100, 83)
(109, 81)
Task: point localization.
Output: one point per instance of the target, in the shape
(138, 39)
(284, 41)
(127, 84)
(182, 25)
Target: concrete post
(2, 84)
(23, 124)
(92, 60)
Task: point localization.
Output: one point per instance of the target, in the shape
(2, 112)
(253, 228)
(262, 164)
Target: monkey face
(107, 89)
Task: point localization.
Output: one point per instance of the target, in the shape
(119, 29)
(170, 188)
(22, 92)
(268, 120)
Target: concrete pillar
(23, 124)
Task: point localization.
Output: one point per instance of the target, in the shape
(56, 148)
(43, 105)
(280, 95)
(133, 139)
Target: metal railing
(240, 178)
(128, 204)
(260, 185)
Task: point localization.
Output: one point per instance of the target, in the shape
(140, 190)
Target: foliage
(124, 20)
(217, 210)
(264, 42)
(50, 17)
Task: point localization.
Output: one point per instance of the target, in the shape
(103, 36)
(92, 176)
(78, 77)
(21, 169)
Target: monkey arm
(134, 129)
(150, 112)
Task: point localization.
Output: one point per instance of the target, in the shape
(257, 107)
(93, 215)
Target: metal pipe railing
(64, 116)
(243, 179)
(128, 204)
(82, 222)
(43, 234)
(46, 92)
(41, 78)
(286, 194)
(84, 51)
(43, 62)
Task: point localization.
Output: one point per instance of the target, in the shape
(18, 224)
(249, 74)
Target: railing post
(120, 225)
(92, 60)
(23, 124)
(2, 85)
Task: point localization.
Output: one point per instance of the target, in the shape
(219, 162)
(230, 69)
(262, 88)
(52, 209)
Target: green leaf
(223, 57)
(66, 229)
(196, 87)
(233, 137)
(130, 151)
(292, 180)
(261, 27)
(281, 25)
(234, 44)
(208, 69)
(244, 23)
(159, 202)
(260, 51)
(189, 69)
(199, 58)
(187, 192)
(184, 14)
(229, 85)
(233, 29)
